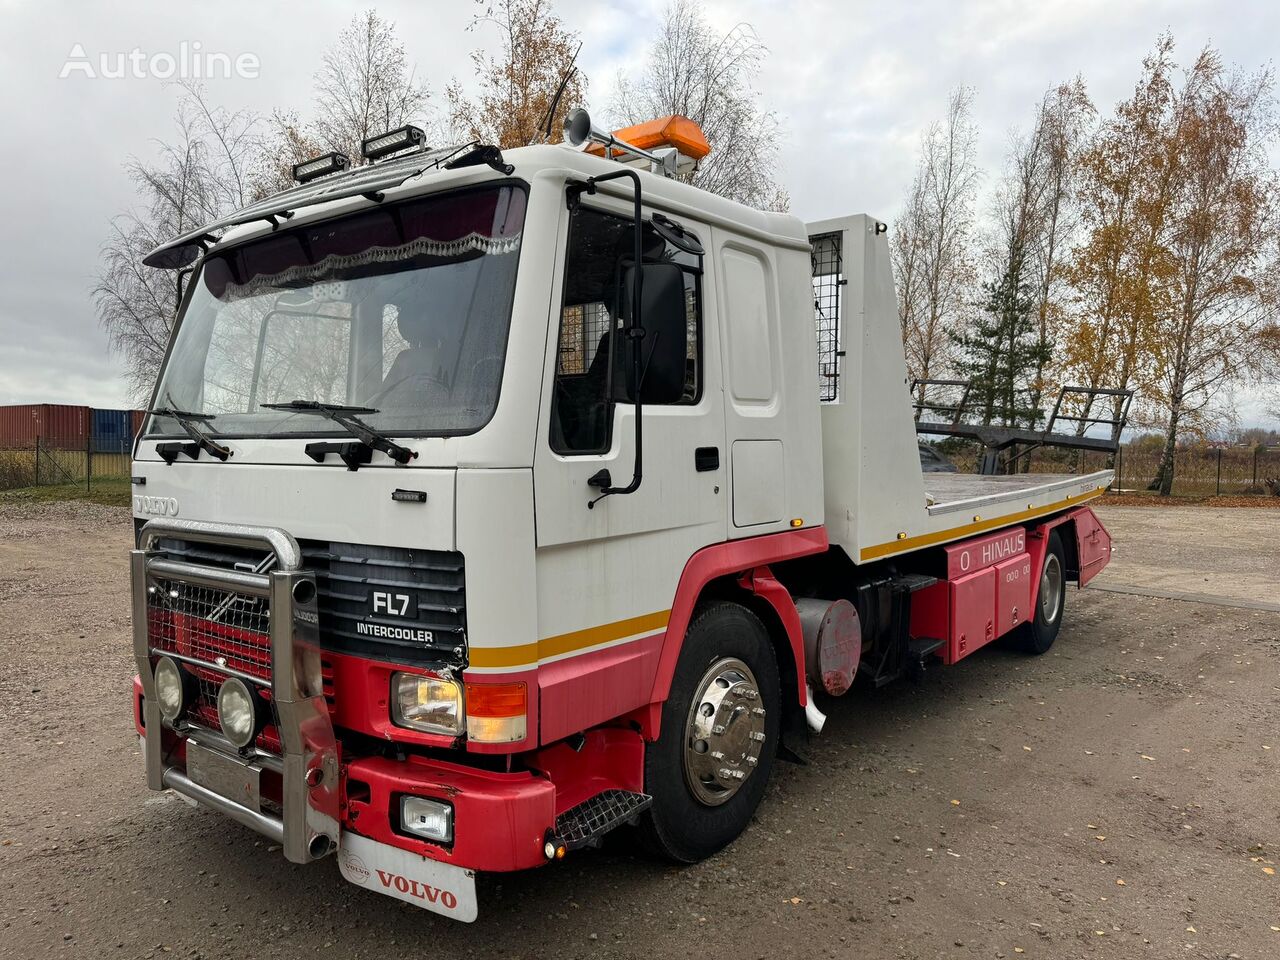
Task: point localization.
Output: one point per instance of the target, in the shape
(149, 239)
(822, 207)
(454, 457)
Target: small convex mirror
(675, 235)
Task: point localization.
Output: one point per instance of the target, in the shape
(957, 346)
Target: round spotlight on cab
(173, 688)
(241, 712)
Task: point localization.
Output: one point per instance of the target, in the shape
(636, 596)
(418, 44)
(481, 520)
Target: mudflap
(1093, 544)
(439, 887)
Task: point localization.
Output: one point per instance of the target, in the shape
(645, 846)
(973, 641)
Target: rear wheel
(1036, 636)
(709, 767)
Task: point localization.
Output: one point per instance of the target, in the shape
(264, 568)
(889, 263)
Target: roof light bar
(673, 131)
(321, 166)
(393, 141)
(186, 248)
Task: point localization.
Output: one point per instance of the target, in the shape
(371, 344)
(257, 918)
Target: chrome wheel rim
(724, 734)
(1051, 588)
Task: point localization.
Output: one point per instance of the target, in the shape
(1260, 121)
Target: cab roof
(421, 172)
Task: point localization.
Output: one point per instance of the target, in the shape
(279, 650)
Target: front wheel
(1036, 636)
(708, 769)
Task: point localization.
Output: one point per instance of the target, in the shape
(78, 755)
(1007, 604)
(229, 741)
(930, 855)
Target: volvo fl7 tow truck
(492, 500)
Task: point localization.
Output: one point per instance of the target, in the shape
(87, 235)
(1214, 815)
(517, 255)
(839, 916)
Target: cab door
(767, 476)
(607, 567)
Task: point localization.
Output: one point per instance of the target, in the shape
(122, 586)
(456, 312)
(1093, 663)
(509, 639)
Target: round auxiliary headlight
(238, 712)
(170, 690)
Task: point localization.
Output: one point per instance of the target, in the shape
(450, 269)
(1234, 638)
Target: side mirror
(664, 349)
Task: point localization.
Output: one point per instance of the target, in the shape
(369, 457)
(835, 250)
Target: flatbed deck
(877, 501)
(952, 492)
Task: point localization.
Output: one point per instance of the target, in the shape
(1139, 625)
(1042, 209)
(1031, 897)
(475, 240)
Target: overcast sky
(854, 82)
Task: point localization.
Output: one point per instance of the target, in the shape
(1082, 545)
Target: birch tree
(933, 248)
(1063, 120)
(1009, 348)
(694, 71)
(1218, 293)
(203, 172)
(365, 86)
(907, 254)
(1117, 271)
(517, 87)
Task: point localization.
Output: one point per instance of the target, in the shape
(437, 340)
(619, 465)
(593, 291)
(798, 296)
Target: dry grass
(17, 469)
(112, 492)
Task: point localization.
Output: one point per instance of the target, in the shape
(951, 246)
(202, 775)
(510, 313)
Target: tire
(697, 810)
(1036, 636)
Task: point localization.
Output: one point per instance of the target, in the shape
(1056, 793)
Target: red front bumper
(500, 820)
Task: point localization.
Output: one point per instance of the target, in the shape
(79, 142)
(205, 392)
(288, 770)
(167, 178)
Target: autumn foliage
(1141, 247)
(517, 87)
(1174, 276)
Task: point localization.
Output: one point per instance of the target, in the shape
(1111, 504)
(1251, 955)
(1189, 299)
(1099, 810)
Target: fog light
(429, 819)
(240, 712)
(171, 689)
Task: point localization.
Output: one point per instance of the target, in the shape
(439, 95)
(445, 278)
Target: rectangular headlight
(429, 819)
(429, 704)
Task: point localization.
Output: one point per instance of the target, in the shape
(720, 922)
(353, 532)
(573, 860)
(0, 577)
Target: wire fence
(1199, 471)
(49, 461)
(1202, 471)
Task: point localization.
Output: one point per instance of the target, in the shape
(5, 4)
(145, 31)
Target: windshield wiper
(348, 418)
(201, 441)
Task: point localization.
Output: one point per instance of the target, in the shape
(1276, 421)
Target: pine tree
(1002, 351)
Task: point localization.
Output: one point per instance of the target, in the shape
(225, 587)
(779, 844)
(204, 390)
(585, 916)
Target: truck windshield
(404, 309)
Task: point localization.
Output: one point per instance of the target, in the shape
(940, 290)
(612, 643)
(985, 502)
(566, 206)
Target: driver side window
(591, 346)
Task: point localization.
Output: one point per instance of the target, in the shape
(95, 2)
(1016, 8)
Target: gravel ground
(1116, 798)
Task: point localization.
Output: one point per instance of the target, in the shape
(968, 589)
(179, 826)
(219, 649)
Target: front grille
(349, 574)
(214, 633)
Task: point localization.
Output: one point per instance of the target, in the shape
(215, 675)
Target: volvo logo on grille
(156, 506)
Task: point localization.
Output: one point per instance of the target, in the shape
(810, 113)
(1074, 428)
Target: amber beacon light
(673, 144)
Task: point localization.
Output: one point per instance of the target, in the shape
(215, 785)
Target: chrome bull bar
(308, 828)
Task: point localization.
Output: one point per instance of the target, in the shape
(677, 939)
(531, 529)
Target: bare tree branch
(933, 242)
(707, 77)
(222, 159)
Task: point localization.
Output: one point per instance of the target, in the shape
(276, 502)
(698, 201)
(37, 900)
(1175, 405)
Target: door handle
(706, 459)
